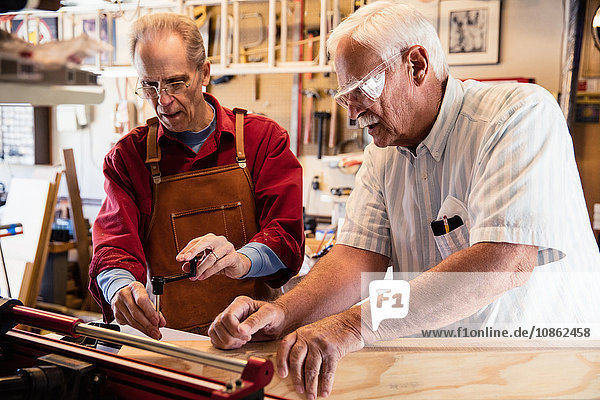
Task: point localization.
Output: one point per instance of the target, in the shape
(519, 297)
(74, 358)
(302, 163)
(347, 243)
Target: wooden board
(33, 275)
(30, 202)
(421, 372)
(79, 225)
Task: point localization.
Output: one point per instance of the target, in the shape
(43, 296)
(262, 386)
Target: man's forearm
(455, 289)
(332, 286)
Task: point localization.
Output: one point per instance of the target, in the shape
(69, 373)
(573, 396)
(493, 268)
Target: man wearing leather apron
(196, 179)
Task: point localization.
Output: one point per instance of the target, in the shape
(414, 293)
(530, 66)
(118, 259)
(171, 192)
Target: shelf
(50, 95)
(299, 67)
(96, 6)
(61, 247)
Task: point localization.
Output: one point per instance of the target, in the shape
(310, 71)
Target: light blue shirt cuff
(112, 280)
(264, 260)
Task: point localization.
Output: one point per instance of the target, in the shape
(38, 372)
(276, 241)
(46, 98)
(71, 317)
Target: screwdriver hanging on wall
(321, 117)
(222, 79)
(315, 182)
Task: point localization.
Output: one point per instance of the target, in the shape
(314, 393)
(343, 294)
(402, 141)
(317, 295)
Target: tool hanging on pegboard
(357, 4)
(333, 124)
(200, 15)
(321, 117)
(201, 19)
(311, 94)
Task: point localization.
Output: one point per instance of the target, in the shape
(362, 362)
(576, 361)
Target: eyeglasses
(171, 88)
(365, 92)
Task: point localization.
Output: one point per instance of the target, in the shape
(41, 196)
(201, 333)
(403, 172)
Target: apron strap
(153, 149)
(240, 154)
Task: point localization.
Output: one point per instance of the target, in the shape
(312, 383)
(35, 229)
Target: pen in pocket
(445, 225)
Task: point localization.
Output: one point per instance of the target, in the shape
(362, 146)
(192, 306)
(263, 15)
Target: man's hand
(246, 319)
(221, 259)
(311, 353)
(132, 306)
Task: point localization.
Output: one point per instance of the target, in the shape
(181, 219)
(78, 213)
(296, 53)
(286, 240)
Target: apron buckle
(241, 162)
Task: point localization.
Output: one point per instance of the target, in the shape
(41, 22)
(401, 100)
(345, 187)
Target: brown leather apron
(188, 205)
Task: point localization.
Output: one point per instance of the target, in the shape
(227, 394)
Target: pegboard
(271, 94)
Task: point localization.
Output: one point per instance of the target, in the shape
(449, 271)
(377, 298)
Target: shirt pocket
(453, 241)
(452, 206)
(458, 238)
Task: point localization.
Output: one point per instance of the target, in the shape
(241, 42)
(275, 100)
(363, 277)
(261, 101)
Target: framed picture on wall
(87, 24)
(470, 31)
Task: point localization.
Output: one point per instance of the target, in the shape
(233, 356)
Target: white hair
(388, 26)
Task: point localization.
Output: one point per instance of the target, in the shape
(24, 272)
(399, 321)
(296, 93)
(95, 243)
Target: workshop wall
(530, 46)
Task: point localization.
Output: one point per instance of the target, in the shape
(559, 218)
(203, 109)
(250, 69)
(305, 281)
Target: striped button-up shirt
(500, 157)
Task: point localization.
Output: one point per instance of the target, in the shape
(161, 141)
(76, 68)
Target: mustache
(366, 120)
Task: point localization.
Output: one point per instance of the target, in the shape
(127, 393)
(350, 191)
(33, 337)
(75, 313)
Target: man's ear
(419, 61)
(205, 73)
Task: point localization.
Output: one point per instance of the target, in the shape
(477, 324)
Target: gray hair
(148, 26)
(387, 26)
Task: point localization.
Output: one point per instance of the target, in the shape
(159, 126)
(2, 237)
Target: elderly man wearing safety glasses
(198, 179)
(460, 193)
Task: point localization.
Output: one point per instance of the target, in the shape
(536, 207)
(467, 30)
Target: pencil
(446, 226)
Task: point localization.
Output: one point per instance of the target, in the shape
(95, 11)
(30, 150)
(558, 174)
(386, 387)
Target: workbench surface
(431, 368)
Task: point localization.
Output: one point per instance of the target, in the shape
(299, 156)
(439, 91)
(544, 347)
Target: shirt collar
(224, 122)
(437, 138)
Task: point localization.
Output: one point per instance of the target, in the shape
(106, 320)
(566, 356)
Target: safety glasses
(365, 92)
(153, 91)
